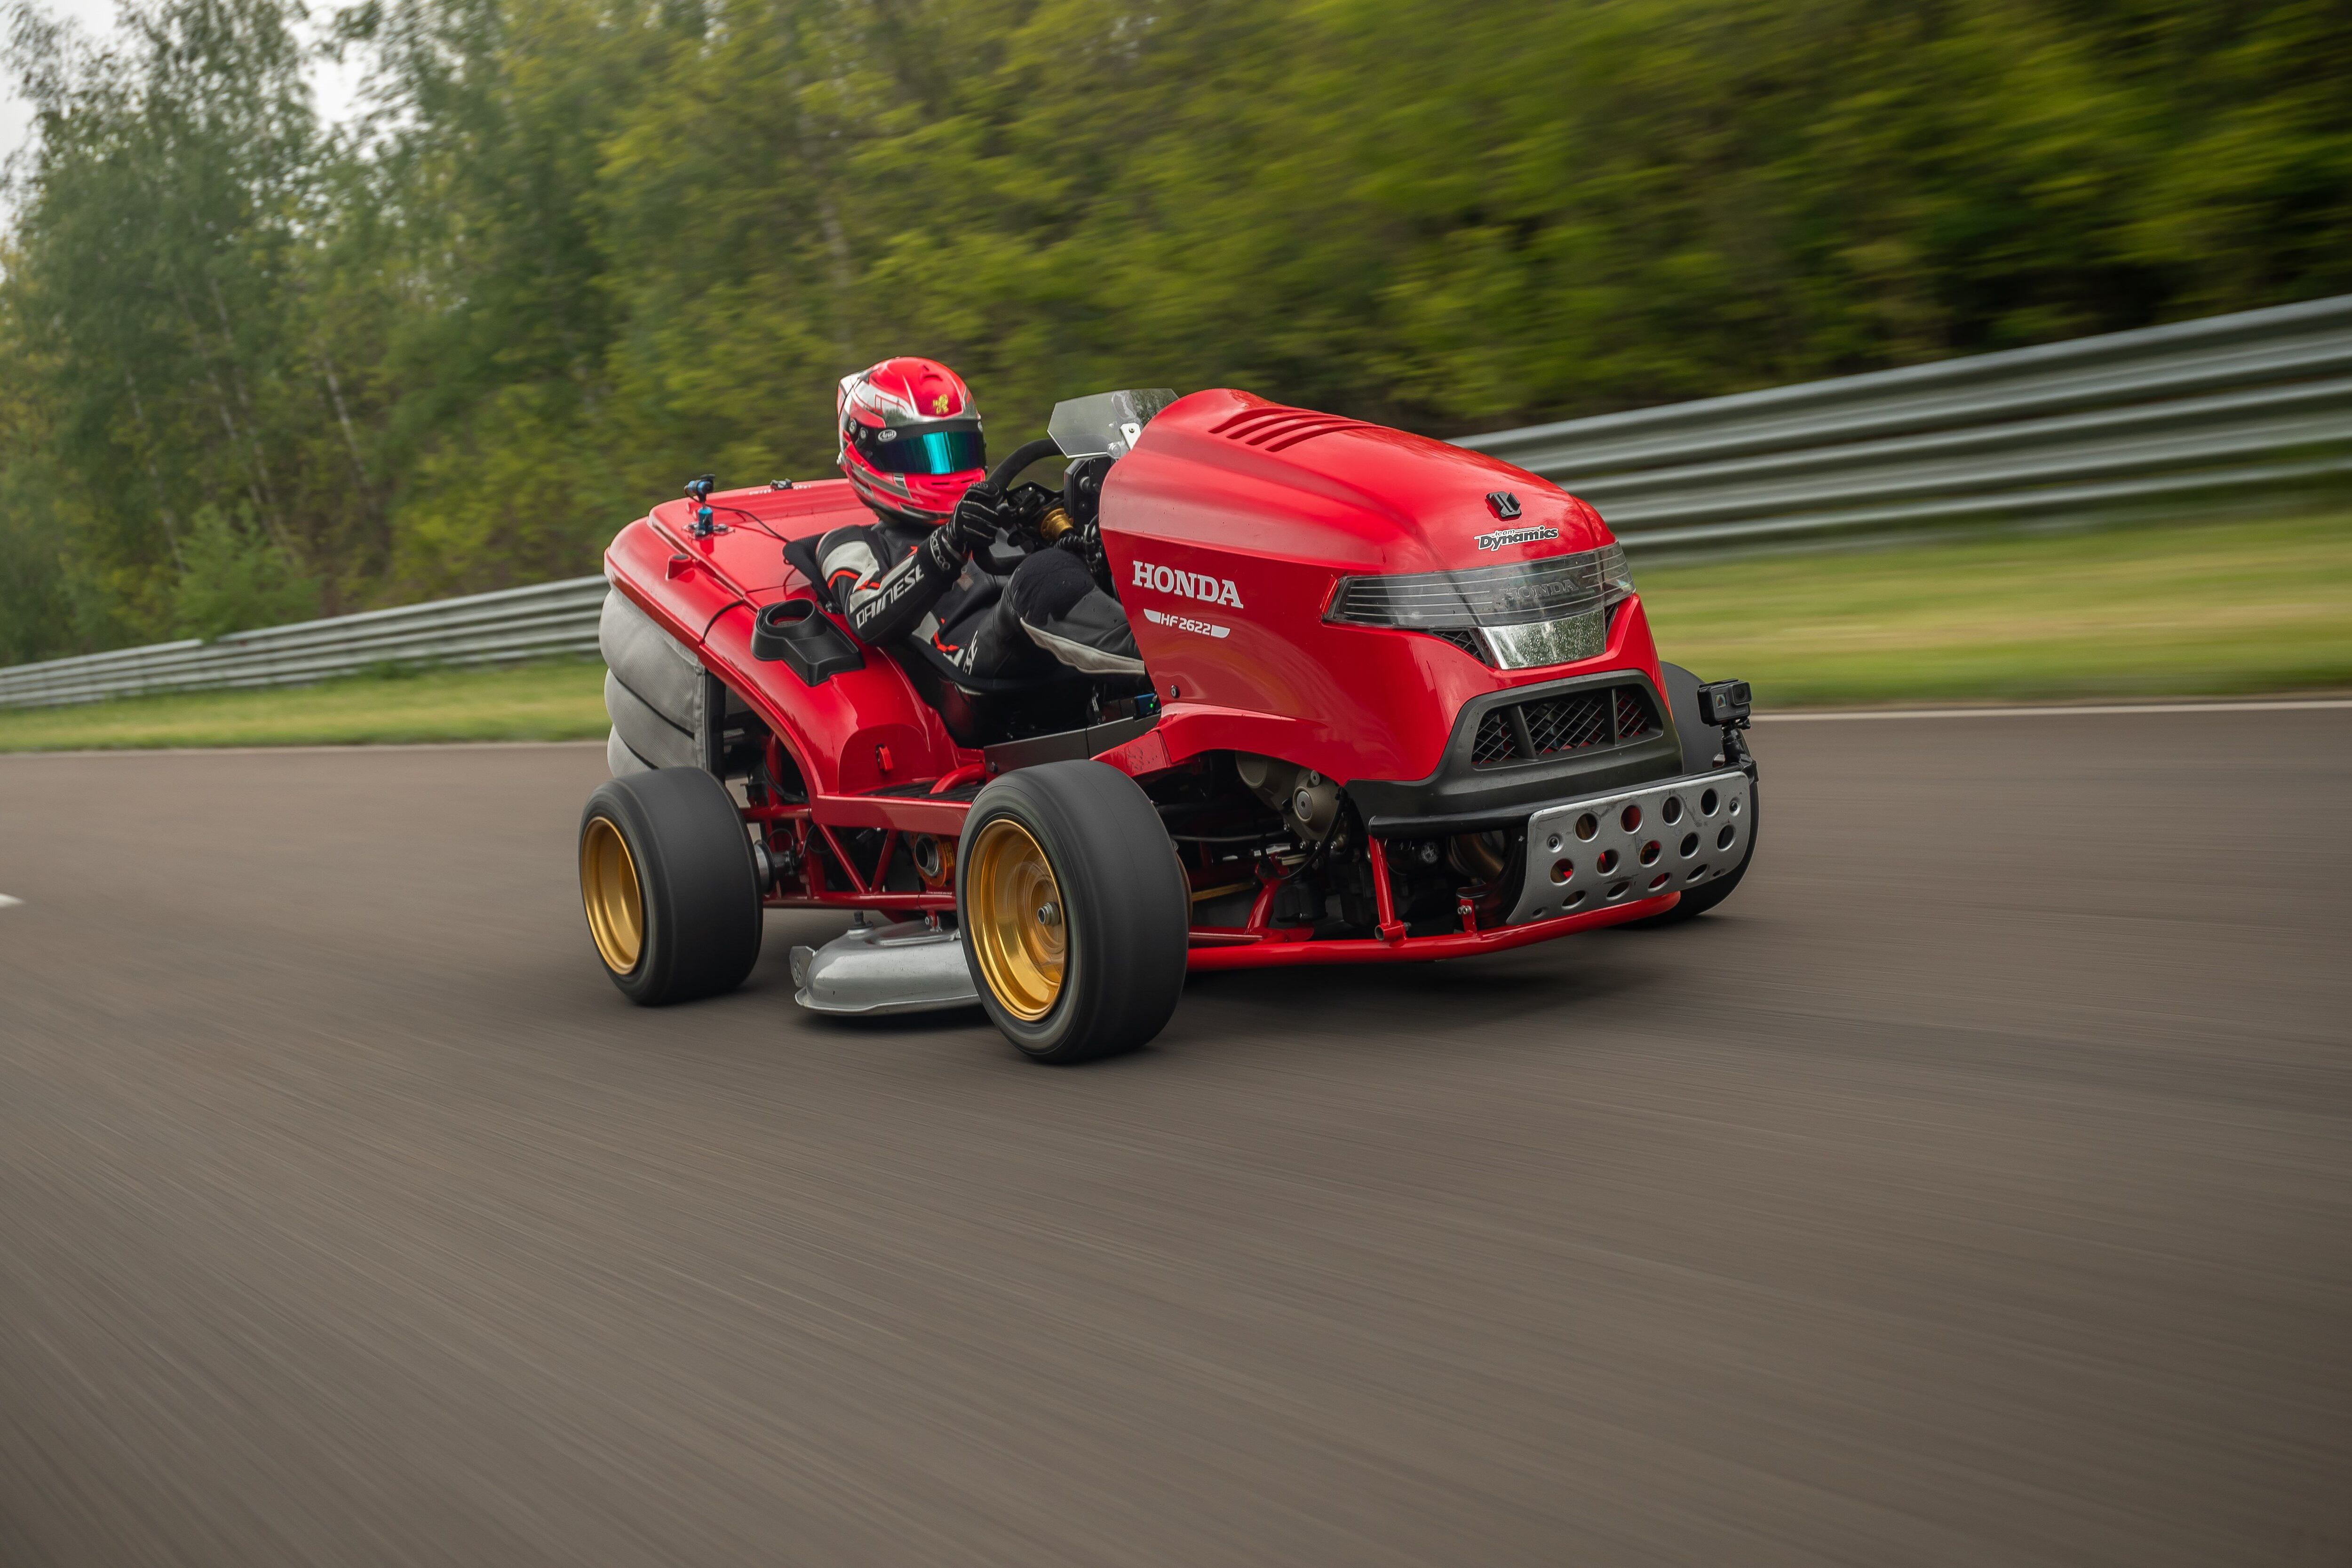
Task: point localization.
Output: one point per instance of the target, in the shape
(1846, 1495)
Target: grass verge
(562, 701)
(2205, 609)
(2193, 610)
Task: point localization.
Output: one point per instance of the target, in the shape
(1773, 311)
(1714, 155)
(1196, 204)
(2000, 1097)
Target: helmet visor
(925, 451)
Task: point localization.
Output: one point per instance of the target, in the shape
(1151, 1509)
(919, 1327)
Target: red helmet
(910, 438)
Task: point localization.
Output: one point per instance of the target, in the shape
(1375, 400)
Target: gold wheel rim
(616, 905)
(1015, 919)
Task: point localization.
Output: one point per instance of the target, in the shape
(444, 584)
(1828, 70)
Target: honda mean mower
(1402, 703)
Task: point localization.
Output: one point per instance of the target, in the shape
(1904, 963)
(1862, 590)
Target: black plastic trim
(802, 554)
(793, 631)
(1069, 745)
(1461, 798)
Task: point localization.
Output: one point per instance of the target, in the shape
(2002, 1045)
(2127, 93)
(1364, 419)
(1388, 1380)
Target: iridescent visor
(929, 452)
(1520, 593)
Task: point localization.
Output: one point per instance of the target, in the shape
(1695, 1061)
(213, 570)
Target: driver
(911, 446)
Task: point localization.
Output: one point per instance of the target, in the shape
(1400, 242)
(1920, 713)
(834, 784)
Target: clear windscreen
(1106, 424)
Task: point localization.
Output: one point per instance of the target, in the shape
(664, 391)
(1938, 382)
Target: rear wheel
(1074, 913)
(666, 876)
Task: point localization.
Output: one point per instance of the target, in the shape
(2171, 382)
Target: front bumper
(1470, 791)
(1656, 841)
(1631, 845)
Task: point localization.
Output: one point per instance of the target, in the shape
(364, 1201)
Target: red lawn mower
(1401, 703)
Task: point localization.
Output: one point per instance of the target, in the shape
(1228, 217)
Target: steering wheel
(1001, 478)
(1081, 494)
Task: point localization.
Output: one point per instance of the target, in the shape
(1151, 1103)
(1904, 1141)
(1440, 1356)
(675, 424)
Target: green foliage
(586, 247)
(235, 577)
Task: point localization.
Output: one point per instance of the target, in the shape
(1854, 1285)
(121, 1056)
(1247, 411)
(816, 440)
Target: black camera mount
(1725, 704)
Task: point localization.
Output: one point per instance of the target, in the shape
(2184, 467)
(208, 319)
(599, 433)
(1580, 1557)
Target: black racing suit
(895, 579)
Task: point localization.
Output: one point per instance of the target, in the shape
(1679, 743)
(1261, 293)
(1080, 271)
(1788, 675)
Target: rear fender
(857, 731)
(682, 594)
(861, 729)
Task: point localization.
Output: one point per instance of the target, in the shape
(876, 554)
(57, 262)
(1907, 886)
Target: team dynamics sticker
(1187, 623)
(1502, 536)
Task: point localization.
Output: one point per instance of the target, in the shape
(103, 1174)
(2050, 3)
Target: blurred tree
(235, 577)
(579, 249)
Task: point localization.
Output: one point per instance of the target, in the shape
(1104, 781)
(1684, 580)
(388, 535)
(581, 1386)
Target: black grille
(1494, 743)
(1635, 718)
(1568, 724)
(1552, 726)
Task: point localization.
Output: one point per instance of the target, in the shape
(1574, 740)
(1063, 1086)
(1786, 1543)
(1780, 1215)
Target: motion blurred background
(536, 260)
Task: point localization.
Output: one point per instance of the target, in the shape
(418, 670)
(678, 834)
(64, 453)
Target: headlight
(1549, 611)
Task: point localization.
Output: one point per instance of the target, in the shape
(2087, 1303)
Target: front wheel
(666, 873)
(1074, 913)
(1707, 895)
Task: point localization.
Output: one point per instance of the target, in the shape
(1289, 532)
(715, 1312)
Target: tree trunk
(154, 475)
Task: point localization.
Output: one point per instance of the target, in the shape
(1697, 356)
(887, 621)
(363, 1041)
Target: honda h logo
(1503, 504)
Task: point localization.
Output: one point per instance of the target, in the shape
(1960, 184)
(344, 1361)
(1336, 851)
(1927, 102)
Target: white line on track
(1841, 715)
(8, 903)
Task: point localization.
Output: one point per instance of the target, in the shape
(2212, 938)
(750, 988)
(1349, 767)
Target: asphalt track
(1976, 1187)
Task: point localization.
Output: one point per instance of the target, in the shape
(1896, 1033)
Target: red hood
(1228, 527)
(1261, 477)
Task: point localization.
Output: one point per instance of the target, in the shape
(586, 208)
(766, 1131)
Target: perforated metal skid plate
(1635, 844)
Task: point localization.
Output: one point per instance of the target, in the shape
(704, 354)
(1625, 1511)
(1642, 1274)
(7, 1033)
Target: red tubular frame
(1278, 950)
(1259, 944)
(1390, 928)
(862, 893)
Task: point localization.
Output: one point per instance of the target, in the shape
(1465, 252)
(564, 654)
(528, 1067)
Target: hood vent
(1275, 428)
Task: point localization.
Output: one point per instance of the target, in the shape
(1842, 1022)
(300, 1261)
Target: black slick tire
(1707, 895)
(1124, 908)
(700, 924)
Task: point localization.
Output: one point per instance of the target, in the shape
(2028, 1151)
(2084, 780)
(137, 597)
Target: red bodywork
(1222, 488)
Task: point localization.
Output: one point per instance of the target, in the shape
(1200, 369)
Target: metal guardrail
(2230, 404)
(547, 620)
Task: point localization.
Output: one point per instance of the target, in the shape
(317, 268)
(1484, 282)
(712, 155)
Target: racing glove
(902, 596)
(977, 516)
